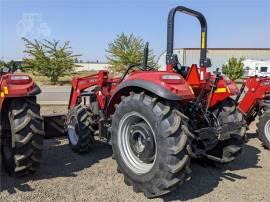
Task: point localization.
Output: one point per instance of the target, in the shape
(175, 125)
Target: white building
(218, 56)
(256, 67)
(91, 66)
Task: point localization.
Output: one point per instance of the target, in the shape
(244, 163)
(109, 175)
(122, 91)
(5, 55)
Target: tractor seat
(183, 70)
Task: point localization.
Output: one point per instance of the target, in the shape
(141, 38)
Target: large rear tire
(81, 129)
(150, 141)
(231, 144)
(22, 137)
(263, 129)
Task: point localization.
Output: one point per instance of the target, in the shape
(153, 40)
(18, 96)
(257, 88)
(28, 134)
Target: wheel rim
(137, 143)
(73, 136)
(267, 130)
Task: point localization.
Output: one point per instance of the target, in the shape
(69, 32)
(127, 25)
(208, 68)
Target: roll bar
(170, 58)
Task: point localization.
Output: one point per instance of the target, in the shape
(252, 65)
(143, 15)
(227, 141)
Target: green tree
(125, 50)
(12, 65)
(2, 63)
(49, 58)
(234, 69)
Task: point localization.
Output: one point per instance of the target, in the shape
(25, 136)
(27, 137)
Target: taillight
(172, 78)
(19, 79)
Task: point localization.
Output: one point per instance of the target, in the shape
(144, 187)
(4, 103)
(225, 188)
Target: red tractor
(156, 121)
(21, 128)
(256, 102)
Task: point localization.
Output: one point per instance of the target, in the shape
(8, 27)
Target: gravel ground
(65, 176)
(53, 109)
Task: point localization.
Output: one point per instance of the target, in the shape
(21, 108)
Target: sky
(90, 25)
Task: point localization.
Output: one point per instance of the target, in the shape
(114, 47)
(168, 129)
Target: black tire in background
(229, 149)
(165, 138)
(22, 137)
(80, 128)
(263, 129)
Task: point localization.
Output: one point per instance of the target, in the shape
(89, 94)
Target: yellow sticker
(6, 90)
(2, 94)
(203, 40)
(221, 90)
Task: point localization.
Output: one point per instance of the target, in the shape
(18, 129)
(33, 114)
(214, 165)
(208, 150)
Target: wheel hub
(142, 142)
(137, 143)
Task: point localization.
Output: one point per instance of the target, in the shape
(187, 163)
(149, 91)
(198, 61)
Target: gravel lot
(65, 176)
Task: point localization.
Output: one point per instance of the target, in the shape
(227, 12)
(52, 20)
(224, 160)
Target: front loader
(256, 103)
(21, 127)
(156, 121)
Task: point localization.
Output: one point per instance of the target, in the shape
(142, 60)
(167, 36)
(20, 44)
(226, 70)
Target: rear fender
(152, 83)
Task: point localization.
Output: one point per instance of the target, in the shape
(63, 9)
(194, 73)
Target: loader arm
(100, 80)
(257, 88)
(79, 84)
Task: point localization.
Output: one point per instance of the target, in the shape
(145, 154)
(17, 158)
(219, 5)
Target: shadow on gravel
(206, 176)
(58, 161)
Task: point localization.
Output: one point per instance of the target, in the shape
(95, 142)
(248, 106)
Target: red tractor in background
(156, 121)
(21, 128)
(256, 102)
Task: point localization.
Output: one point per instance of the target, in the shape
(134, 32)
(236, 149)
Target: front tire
(81, 127)
(150, 141)
(263, 129)
(22, 137)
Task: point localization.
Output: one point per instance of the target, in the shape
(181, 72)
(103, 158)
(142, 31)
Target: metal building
(91, 66)
(218, 56)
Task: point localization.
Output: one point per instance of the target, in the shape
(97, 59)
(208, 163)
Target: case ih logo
(93, 80)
